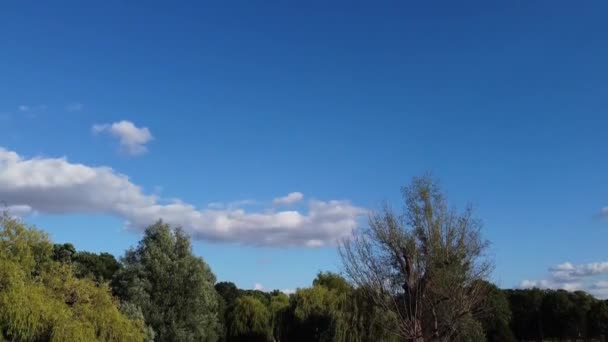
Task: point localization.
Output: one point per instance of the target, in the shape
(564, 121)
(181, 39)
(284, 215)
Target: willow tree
(42, 300)
(423, 265)
(249, 320)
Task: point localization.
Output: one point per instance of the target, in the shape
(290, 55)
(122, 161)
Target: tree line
(416, 275)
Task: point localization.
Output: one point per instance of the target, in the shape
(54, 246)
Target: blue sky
(245, 102)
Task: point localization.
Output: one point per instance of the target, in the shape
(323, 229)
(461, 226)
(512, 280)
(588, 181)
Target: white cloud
(74, 107)
(132, 139)
(23, 108)
(551, 284)
(571, 277)
(599, 289)
(569, 271)
(288, 291)
(290, 198)
(57, 186)
(258, 286)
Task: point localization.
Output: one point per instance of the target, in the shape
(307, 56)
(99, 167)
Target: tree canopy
(42, 300)
(173, 288)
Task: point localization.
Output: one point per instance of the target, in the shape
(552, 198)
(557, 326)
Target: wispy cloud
(74, 107)
(291, 198)
(57, 186)
(31, 111)
(132, 139)
(571, 277)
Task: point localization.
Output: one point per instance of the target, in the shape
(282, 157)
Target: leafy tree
(470, 330)
(100, 267)
(496, 317)
(173, 288)
(249, 321)
(423, 266)
(332, 281)
(63, 252)
(313, 312)
(556, 308)
(526, 321)
(279, 304)
(41, 300)
(228, 291)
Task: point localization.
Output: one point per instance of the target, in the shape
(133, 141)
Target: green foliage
(173, 288)
(496, 317)
(332, 310)
(228, 291)
(469, 330)
(557, 315)
(332, 281)
(249, 320)
(63, 252)
(56, 293)
(279, 304)
(42, 300)
(99, 267)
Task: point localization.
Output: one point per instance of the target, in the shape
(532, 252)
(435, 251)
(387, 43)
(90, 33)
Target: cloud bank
(57, 186)
(132, 139)
(571, 277)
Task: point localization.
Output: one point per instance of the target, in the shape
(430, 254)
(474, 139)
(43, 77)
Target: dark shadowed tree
(526, 311)
(172, 287)
(424, 266)
(279, 304)
(598, 319)
(496, 317)
(63, 252)
(99, 267)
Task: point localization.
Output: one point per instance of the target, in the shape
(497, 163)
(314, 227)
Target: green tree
(249, 320)
(42, 300)
(556, 310)
(526, 309)
(63, 252)
(314, 314)
(99, 267)
(496, 317)
(279, 304)
(173, 288)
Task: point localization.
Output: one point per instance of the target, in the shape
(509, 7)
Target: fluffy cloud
(290, 198)
(57, 186)
(132, 139)
(571, 277)
(258, 286)
(570, 271)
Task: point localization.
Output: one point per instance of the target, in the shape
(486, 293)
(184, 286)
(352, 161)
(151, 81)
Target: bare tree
(424, 266)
